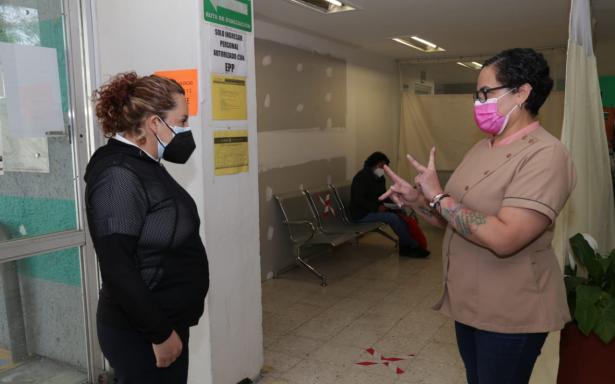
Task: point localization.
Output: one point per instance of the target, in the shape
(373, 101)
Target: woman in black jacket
(145, 229)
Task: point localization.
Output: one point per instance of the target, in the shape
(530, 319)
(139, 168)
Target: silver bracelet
(435, 202)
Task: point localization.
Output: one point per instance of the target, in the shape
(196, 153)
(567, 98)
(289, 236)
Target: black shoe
(415, 252)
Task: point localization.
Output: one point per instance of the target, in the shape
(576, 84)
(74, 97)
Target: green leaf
(587, 257)
(586, 314)
(605, 328)
(589, 293)
(605, 263)
(610, 274)
(609, 309)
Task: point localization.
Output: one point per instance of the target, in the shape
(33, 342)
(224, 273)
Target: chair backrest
(325, 206)
(296, 207)
(342, 195)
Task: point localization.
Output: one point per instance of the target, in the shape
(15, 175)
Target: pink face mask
(488, 118)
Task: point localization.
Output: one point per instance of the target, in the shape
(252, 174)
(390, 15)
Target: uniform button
(508, 155)
(532, 141)
(467, 187)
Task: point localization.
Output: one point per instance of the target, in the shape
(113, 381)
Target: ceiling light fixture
(336, 3)
(419, 44)
(427, 43)
(471, 65)
(325, 6)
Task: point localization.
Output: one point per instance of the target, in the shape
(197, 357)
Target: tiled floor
(42, 371)
(375, 299)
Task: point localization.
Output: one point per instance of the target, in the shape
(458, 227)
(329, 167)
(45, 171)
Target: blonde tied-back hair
(123, 103)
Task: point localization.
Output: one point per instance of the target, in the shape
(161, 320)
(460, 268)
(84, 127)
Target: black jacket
(364, 193)
(145, 229)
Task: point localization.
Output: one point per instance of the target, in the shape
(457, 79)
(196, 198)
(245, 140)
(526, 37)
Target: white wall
(232, 240)
(372, 121)
(314, 157)
(147, 36)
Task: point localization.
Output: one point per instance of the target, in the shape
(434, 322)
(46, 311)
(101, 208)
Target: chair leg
(304, 264)
(385, 234)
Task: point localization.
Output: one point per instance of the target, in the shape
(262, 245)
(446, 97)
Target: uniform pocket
(508, 291)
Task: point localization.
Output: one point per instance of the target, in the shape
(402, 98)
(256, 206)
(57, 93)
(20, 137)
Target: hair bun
(111, 99)
(127, 99)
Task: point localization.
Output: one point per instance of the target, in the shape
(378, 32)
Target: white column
(148, 36)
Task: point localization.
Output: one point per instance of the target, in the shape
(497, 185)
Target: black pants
(498, 358)
(133, 360)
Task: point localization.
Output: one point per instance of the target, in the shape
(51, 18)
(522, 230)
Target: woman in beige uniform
(502, 282)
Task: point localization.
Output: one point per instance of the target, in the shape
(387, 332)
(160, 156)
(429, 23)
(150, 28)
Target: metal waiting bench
(309, 227)
(329, 209)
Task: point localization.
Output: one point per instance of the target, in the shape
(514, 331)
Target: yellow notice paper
(228, 97)
(231, 152)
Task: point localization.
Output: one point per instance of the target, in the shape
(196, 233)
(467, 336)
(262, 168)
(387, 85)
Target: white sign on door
(228, 55)
(31, 90)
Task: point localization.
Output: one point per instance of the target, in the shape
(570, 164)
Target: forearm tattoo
(426, 212)
(463, 220)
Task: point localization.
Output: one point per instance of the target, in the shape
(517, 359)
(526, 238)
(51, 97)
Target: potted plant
(587, 349)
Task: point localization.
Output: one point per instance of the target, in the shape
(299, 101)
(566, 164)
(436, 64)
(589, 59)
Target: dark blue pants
(133, 360)
(397, 224)
(498, 358)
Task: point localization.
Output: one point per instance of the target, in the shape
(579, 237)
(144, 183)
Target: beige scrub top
(523, 293)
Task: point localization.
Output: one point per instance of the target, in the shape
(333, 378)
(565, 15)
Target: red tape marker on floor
(366, 363)
(386, 361)
(390, 358)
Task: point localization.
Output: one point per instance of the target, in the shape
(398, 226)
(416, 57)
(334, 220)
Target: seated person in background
(369, 184)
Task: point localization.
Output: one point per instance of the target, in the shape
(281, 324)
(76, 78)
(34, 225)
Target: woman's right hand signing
(168, 351)
(401, 192)
(427, 177)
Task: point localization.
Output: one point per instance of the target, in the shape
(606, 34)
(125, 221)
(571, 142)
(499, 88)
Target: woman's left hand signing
(427, 179)
(401, 192)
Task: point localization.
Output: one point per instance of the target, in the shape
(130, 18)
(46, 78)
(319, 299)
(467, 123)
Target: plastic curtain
(446, 122)
(590, 208)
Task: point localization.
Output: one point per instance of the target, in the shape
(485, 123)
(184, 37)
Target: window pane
(42, 334)
(37, 178)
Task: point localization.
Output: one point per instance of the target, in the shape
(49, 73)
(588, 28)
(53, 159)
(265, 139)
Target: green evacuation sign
(230, 13)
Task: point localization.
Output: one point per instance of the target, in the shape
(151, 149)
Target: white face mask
(379, 172)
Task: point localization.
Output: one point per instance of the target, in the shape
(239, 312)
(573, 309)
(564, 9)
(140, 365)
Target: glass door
(48, 279)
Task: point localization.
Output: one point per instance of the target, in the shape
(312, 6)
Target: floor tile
(313, 372)
(359, 335)
(446, 333)
(296, 346)
(276, 363)
(374, 299)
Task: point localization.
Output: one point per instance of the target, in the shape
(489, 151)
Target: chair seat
(332, 239)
